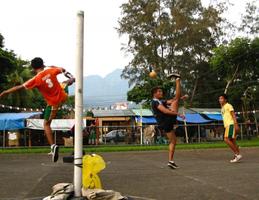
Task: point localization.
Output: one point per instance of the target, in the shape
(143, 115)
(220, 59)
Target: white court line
(141, 198)
(215, 186)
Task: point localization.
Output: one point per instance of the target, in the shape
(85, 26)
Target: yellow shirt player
(231, 126)
(228, 120)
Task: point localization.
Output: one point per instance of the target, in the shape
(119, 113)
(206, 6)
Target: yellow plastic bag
(92, 165)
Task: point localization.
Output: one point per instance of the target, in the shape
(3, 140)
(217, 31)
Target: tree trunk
(194, 91)
(231, 80)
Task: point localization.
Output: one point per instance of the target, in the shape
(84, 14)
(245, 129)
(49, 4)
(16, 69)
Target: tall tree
(239, 66)
(170, 35)
(7, 65)
(1, 41)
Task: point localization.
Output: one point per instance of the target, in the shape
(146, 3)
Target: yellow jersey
(226, 114)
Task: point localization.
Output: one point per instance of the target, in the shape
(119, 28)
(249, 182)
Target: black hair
(224, 96)
(154, 89)
(37, 63)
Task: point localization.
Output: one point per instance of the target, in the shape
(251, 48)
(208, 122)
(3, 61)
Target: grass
(125, 148)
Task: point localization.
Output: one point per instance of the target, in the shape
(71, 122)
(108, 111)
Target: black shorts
(167, 125)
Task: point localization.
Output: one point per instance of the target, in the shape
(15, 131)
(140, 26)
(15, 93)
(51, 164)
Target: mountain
(104, 92)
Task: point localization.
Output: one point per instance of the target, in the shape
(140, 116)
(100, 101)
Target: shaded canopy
(14, 121)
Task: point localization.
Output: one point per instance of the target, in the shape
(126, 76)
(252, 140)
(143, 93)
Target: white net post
(78, 150)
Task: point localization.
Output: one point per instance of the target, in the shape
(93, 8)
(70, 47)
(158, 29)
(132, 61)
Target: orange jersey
(47, 83)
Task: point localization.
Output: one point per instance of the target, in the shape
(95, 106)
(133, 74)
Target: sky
(47, 29)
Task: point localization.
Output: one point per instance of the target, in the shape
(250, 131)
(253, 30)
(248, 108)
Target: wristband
(68, 75)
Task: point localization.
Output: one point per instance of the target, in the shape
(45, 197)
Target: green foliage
(238, 66)
(68, 108)
(15, 71)
(127, 148)
(89, 114)
(170, 35)
(1, 41)
(7, 65)
(142, 91)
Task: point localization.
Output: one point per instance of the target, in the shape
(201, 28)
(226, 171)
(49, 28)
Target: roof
(206, 110)
(190, 118)
(113, 113)
(186, 110)
(146, 120)
(13, 121)
(143, 112)
(148, 112)
(56, 124)
(217, 117)
(194, 119)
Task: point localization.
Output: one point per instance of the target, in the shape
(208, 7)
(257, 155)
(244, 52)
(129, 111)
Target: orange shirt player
(53, 92)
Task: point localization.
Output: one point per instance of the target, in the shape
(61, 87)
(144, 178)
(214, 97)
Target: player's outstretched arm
(64, 71)
(67, 74)
(11, 90)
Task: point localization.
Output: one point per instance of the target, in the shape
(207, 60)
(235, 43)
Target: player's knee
(226, 140)
(172, 140)
(47, 123)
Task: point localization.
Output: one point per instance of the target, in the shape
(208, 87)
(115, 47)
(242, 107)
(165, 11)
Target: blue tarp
(147, 120)
(13, 121)
(194, 119)
(217, 117)
(190, 118)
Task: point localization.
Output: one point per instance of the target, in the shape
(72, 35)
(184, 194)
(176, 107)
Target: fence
(151, 134)
(130, 135)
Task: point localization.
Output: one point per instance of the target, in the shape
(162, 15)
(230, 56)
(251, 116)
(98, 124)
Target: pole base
(70, 159)
(78, 198)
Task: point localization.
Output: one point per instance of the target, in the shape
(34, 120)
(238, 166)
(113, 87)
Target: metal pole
(199, 133)
(141, 131)
(241, 130)
(105, 136)
(29, 142)
(256, 122)
(25, 138)
(185, 127)
(79, 105)
(4, 138)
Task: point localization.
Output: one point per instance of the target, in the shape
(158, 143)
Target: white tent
(56, 124)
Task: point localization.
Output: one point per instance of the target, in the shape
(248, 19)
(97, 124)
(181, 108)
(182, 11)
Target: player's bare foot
(174, 76)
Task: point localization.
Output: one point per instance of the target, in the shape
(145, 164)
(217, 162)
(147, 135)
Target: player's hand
(237, 129)
(2, 94)
(185, 97)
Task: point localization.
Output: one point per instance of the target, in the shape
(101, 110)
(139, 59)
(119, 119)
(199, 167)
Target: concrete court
(203, 175)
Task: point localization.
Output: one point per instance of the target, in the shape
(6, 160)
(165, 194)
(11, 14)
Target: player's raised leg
(175, 103)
